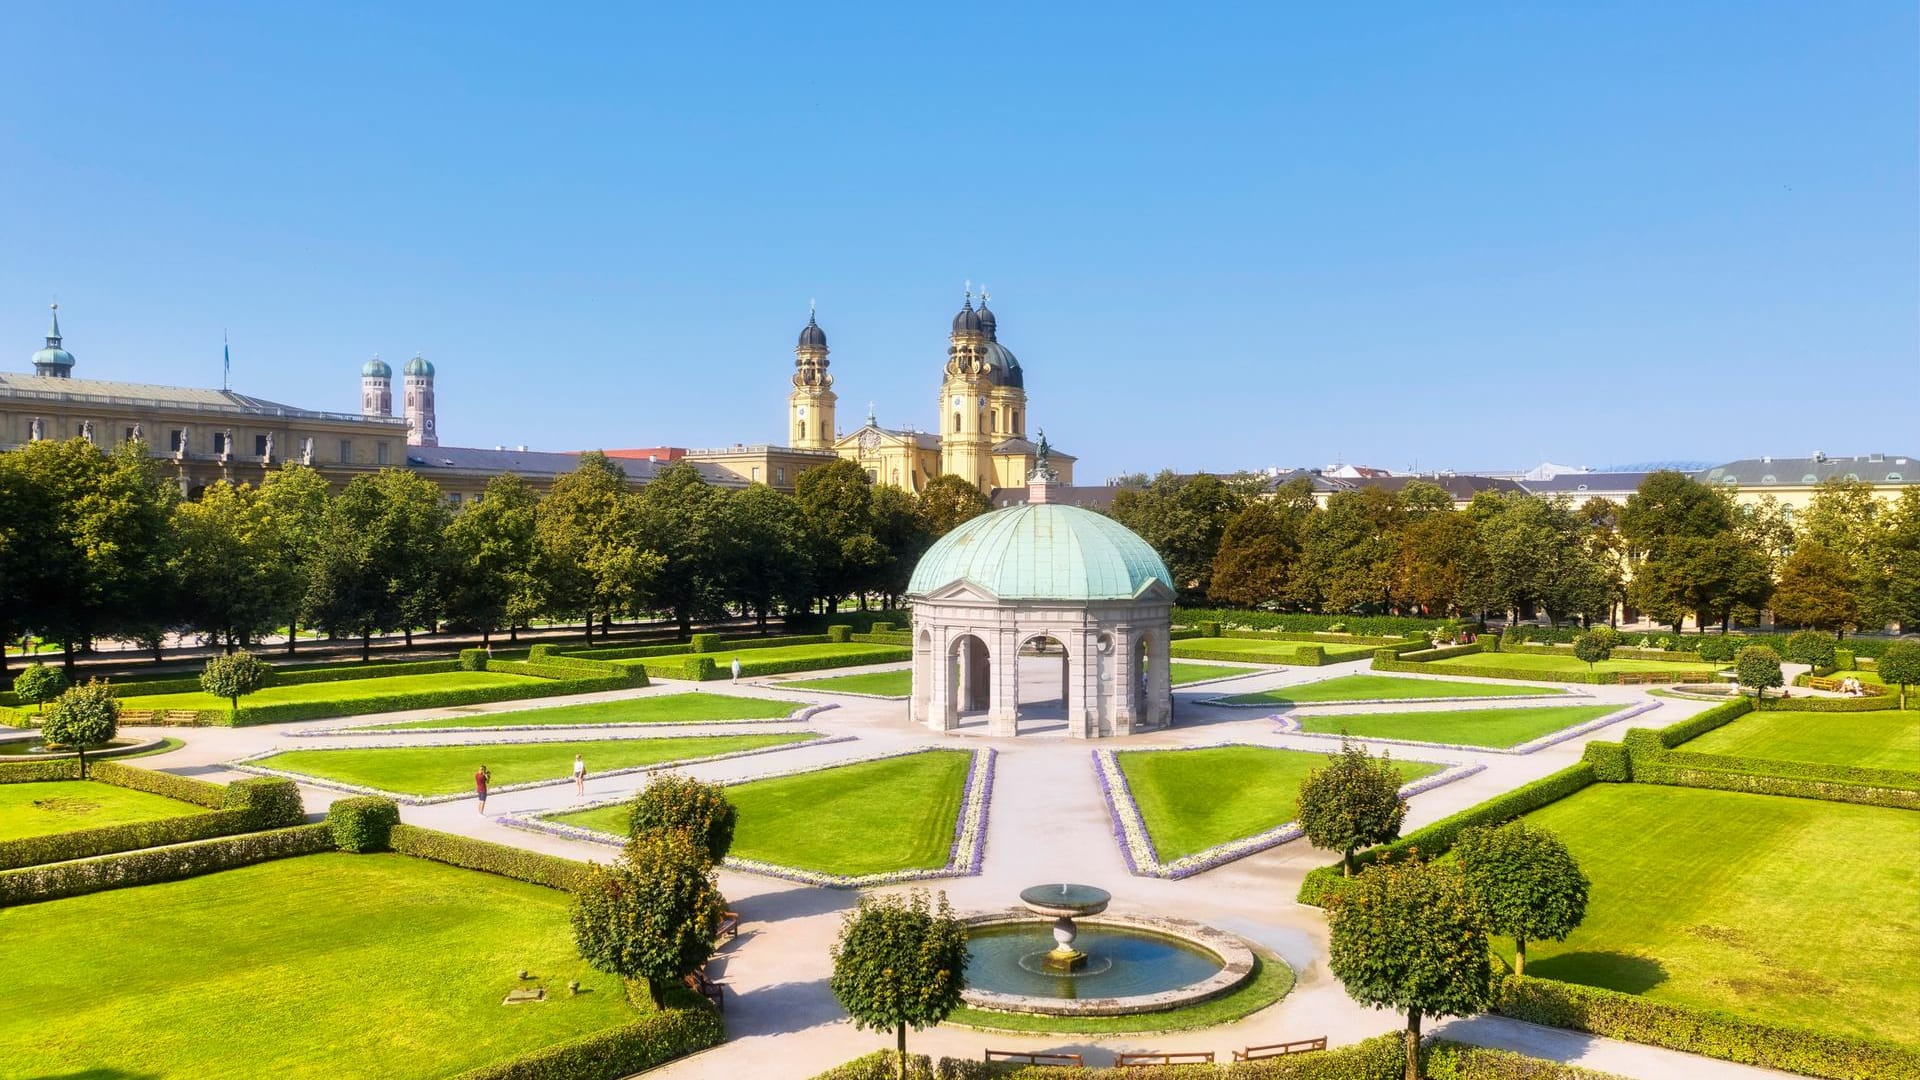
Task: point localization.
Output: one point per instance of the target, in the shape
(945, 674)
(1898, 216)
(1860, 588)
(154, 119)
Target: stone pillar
(1125, 679)
(1160, 685)
(1004, 710)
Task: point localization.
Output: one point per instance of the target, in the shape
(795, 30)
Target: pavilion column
(1004, 709)
(1126, 680)
(1159, 682)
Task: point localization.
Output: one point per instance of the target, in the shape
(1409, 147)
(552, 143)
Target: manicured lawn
(883, 683)
(1182, 674)
(1382, 687)
(1788, 911)
(1270, 982)
(1880, 740)
(1261, 651)
(665, 709)
(1192, 800)
(1543, 662)
(1861, 676)
(339, 690)
(867, 818)
(850, 653)
(1502, 727)
(57, 806)
(443, 770)
(316, 967)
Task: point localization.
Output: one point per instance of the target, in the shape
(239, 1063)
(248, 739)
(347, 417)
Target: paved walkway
(1048, 823)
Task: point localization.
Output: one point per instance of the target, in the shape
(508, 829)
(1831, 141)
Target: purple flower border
(1289, 725)
(1136, 843)
(245, 765)
(965, 855)
(798, 716)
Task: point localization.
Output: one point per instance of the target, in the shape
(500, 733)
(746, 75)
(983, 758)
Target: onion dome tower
(418, 381)
(53, 361)
(810, 421)
(376, 388)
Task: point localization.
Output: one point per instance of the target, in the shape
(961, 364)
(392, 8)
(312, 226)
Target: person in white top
(736, 669)
(579, 775)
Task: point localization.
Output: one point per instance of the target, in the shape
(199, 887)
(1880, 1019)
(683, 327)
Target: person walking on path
(736, 669)
(480, 779)
(579, 776)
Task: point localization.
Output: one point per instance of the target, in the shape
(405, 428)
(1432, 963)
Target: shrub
(699, 668)
(839, 634)
(1310, 656)
(545, 648)
(1844, 660)
(27, 772)
(1352, 802)
(1337, 628)
(899, 962)
(183, 788)
(484, 855)
(273, 801)
(234, 676)
(1718, 649)
(1529, 884)
(681, 802)
(1609, 761)
(556, 681)
(653, 914)
(1810, 647)
(1607, 635)
(1758, 668)
(473, 659)
(880, 628)
(362, 824)
(1590, 649)
(1900, 666)
(703, 643)
(82, 716)
(1700, 1031)
(39, 684)
(146, 867)
(1210, 629)
(1702, 722)
(615, 1052)
(1841, 704)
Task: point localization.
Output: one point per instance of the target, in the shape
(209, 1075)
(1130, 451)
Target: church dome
(419, 365)
(812, 336)
(988, 324)
(53, 356)
(1003, 365)
(376, 368)
(968, 321)
(1043, 551)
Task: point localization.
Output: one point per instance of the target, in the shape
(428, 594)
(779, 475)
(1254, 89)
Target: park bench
(707, 988)
(729, 925)
(1273, 1050)
(1145, 1059)
(1022, 1057)
(1625, 678)
(1867, 689)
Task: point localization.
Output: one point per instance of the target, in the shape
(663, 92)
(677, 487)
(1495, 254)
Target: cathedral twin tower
(982, 410)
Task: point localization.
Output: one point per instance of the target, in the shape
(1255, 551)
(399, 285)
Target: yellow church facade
(980, 433)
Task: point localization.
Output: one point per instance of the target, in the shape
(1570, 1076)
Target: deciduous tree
(1900, 666)
(1591, 648)
(84, 716)
(1352, 802)
(949, 501)
(1810, 647)
(899, 963)
(234, 676)
(1815, 590)
(673, 801)
(1529, 884)
(1757, 668)
(39, 684)
(652, 914)
(1260, 549)
(491, 551)
(1184, 518)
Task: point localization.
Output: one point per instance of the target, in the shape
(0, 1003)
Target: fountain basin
(28, 746)
(1133, 964)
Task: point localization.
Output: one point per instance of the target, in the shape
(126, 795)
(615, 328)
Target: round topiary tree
(234, 676)
(83, 716)
(681, 802)
(1529, 884)
(1717, 649)
(1352, 803)
(1812, 648)
(1608, 635)
(39, 684)
(651, 915)
(1591, 648)
(899, 964)
(1411, 936)
(1757, 668)
(1900, 666)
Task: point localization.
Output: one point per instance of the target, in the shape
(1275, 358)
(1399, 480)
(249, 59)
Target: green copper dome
(419, 365)
(376, 368)
(1043, 551)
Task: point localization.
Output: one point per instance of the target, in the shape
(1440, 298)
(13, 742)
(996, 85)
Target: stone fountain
(1065, 903)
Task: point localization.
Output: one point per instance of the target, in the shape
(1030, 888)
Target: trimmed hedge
(702, 643)
(1438, 838)
(1701, 1031)
(556, 684)
(243, 806)
(1380, 625)
(183, 788)
(1834, 704)
(878, 637)
(820, 663)
(363, 823)
(1324, 639)
(146, 867)
(616, 1052)
(1757, 777)
(1609, 761)
(518, 863)
(473, 659)
(1707, 720)
(1304, 656)
(839, 634)
(1620, 652)
(27, 772)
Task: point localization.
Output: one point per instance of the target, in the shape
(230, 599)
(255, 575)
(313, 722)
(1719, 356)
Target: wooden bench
(1867, 689)
(1273, 1050)
(1022, 1057)
(729, 925)
(1625, 678)
(707, 988)
(1144, 1059)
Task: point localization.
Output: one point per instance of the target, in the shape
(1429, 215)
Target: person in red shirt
(480, 779)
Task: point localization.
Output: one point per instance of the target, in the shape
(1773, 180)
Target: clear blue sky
(1467, 235)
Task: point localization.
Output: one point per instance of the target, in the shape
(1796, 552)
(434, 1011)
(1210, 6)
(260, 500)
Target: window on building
(756, 474)
(380, 453)
(779, 476)
(993, 422)
(127, 433)
(803, 431)
(956, 423)
(346, 451)
(176, 440)
(453, 498)
(260, 445)
(219, 442)
(873, 475)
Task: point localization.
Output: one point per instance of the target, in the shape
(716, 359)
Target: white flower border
(1136, 846)
(1290, 725)
(1545, 695)
(246, 765)
(964, 858)
(801, 715)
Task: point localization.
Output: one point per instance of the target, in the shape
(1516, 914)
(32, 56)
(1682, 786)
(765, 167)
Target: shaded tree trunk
(408, 632)
(900, 1049)
(366, 645)
(293, 634)
(1519, 955)
(1413, 1044)
(66, 661)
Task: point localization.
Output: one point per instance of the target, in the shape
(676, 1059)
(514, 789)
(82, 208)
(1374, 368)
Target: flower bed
(244, 765)
(1290, 726)
(964, 857)
(1136, 845)
(798, 716)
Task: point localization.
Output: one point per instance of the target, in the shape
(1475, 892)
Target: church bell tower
(810, 406)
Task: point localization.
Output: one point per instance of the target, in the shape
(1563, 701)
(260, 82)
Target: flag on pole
(226, 362)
